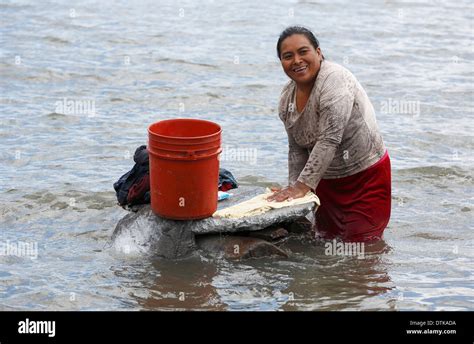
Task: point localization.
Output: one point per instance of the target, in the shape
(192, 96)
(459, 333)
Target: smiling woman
(335, 146)
(301, 65)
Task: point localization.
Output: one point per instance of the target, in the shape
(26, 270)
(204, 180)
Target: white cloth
(259, 205)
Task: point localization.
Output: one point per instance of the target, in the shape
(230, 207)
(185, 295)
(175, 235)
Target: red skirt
(357, 207)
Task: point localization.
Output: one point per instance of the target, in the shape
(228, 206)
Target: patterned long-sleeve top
(336, 134)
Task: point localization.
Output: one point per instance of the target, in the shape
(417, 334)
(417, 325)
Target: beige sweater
(336, 134)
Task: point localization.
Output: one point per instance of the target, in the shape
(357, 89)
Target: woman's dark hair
(297, 30)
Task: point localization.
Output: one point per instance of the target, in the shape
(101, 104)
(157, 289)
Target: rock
(299, 226)
(252, 223)
(270, 234)
(143, 232)
(238, 247)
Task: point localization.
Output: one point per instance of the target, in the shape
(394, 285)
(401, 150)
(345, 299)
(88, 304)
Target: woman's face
(299, 59)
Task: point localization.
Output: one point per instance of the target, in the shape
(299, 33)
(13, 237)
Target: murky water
(124, 65)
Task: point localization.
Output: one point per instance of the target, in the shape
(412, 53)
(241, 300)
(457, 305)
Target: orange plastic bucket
(184, 168)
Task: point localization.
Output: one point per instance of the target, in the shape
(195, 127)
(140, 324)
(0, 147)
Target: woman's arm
(297, 158)
(336, 102)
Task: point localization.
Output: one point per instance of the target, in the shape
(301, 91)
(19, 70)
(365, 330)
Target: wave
(180, 61)
(53, 39)
(436, 171)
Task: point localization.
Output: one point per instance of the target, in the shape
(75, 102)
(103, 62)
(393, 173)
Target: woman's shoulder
(287, 89)
(331, 69)
(285, 99)
(334, 76)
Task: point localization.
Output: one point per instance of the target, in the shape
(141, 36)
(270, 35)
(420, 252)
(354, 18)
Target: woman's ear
(320, 54)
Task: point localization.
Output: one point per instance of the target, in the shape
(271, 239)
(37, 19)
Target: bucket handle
(193, 154)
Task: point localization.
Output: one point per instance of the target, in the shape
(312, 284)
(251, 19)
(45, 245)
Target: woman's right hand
(290, 192)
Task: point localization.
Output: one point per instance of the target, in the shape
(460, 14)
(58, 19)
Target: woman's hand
(290, 192)
(275, 188)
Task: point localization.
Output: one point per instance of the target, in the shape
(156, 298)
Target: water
(143, 62)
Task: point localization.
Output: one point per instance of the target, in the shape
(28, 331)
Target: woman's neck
(305, 88)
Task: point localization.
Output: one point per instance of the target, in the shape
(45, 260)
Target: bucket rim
(188, 120)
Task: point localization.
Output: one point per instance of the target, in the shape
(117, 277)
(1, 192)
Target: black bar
(365, 327)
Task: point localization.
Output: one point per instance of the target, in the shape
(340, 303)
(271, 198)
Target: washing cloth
(221, 195)
(259, 205)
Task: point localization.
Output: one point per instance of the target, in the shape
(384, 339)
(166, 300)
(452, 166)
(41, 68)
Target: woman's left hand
(290, 192)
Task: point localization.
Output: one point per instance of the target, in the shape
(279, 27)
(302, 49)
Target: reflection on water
(308, 280)
(136, 64)
(183, 285)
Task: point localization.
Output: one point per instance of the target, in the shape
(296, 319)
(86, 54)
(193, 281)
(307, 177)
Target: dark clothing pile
(133, 188)
(226, 180)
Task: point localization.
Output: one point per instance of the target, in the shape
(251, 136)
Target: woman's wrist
(301, 186)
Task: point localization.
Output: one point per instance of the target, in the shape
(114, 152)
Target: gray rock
(252, 223)
(302, 225)
(270, 234)
(143, 232)
(238, 247)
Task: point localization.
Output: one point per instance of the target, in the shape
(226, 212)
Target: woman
(335, 147)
